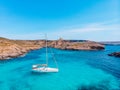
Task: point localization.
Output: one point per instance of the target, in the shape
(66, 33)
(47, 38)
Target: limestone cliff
(14, 48)
(66, 44)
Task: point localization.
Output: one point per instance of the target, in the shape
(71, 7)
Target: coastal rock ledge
(14, 48)
(116, 54)
(76, 45)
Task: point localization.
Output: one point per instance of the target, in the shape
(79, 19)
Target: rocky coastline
(68, 45)
(14, 48)
(115, 54)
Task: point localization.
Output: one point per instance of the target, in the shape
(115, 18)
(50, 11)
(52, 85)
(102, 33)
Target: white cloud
(106, 26)
(73, 33)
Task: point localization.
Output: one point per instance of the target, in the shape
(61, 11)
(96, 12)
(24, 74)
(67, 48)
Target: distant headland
(110, 42)
(14, 48)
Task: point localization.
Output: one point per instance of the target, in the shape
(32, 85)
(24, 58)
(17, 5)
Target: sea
(78, 70)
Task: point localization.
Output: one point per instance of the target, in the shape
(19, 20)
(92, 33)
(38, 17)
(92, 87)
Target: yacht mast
(46, 50)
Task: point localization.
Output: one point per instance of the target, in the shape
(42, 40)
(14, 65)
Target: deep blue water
(79, 70)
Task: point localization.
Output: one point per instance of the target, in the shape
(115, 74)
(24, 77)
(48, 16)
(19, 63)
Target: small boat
(44, 68)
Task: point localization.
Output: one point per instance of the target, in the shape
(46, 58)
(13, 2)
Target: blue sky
(97, 20)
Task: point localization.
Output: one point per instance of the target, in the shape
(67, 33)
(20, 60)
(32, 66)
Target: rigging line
(54, 57)
(46, 50)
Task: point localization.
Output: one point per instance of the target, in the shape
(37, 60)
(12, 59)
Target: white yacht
(44, 68)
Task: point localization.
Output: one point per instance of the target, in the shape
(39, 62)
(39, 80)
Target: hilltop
(14, 48)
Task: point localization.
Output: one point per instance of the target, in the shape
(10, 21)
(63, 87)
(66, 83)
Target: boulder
(116, 54)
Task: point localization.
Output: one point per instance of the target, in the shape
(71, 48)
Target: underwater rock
(102, 85)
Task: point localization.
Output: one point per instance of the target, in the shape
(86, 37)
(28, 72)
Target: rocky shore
(68, 45)
(116, 54)
(14, 48)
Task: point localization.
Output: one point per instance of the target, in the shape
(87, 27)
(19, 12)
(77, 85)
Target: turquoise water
(79, 70)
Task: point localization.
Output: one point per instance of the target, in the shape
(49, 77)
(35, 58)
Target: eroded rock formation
(66, 44)
(116, 54)
(15, 48)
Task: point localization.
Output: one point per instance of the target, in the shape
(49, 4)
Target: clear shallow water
(79, 70)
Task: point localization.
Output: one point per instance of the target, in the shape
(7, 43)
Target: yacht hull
(45, 70)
